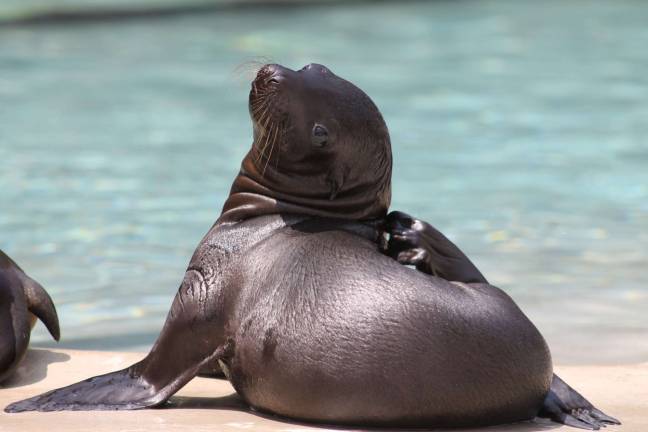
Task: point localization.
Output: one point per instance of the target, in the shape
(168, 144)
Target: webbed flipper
(40, 304)
(416, 242)
(565, 405)
(127, 389)
(38, 301)
(20, 299)
(189, 341)
(14, 327)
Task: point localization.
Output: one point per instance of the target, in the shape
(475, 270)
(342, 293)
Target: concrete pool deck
(211, 405)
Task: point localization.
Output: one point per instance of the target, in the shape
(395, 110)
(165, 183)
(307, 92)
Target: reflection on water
(519, 130)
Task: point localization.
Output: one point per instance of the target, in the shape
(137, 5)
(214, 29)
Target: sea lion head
(321, 147)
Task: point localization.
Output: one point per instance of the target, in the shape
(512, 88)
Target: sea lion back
(339, 321)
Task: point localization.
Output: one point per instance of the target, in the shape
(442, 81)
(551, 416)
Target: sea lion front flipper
(40, 304)
(416, 242)
(191, 339)
(565, 405)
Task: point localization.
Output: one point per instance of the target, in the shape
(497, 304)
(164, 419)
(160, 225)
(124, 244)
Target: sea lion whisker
(258, 111)
(259, 107)
(261, 145)
(247, 69)
(274, 140)
(265, 145)
(259, 95)
(265, 123)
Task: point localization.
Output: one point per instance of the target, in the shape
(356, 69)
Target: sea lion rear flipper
(188, 342)
(40, 304)
(565, 405)
(127, 389)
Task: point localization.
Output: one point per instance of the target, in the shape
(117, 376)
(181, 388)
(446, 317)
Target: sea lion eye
(320, 135)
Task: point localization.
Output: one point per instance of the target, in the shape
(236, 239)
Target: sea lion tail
(565, 405)
(40, 304)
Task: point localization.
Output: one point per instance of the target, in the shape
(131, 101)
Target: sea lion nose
(270, 74)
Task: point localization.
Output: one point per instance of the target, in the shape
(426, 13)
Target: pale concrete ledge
(210, 405)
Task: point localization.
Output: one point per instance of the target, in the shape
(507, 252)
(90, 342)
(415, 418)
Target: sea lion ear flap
(335, 180)
(40, 304)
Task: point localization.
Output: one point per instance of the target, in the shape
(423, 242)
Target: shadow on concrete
(139, 342)
(234, 402)
(33, 368)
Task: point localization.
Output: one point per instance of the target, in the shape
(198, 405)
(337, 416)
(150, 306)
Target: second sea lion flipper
(565, 405)
(40, 304)
(181, 350)
(14, 328)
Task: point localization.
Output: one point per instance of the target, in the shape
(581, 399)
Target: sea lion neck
(264, 191)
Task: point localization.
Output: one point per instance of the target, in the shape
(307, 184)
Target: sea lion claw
(413, 257)
(599, 415)
(398, 217)
(442, 258)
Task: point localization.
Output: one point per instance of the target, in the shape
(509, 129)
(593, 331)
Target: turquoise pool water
(519, 129)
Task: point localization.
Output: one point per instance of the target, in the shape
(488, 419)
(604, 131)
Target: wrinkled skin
(22, 299)
(295, 294)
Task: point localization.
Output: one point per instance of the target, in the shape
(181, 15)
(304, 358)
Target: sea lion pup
(22, 299)
(291, 293)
